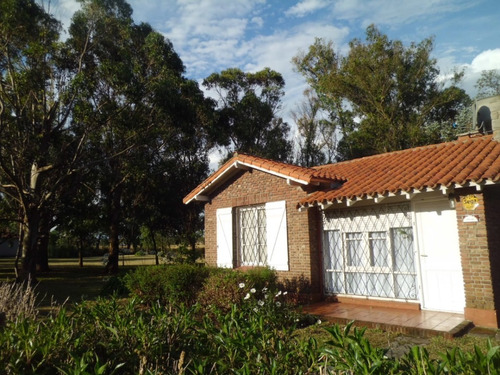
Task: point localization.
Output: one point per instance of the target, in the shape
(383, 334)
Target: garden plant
(222, 322)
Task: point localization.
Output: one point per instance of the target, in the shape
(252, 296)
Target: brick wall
(479, 249)
(255, 187)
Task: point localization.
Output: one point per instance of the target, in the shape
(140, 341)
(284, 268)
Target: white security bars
(370, 252)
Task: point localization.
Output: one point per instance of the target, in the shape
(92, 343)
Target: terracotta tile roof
(466, 161)
(301, 175)
(463, 162)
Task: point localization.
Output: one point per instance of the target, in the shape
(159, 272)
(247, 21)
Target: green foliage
(181, 254)
(246, 119)
(261, 277)
(115, 286)
(221, 289)
(103, 338)
(256, 335)
(176, 283)
(225, 287)
(391, 89)
(244, 342)
(351, 352)
(488, 84)
(298, 288)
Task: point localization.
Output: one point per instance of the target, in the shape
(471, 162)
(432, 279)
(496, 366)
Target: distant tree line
(102, 134)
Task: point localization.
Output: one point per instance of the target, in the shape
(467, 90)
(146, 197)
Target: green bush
(102, 338)
(176, 283)
(225, 287)
(221, 289)
(256, 336)
(115, 285)
(261, 277)
(299, 290)
(244, 342)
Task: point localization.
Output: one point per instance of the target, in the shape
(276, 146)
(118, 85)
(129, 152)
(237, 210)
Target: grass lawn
(68, 282)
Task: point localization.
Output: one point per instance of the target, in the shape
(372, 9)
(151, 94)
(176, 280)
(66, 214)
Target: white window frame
(228, 237)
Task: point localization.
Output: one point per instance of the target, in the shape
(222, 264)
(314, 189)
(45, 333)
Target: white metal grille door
(252, 236)
(370, 252)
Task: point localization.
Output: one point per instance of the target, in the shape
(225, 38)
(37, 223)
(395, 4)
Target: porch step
(419, 323)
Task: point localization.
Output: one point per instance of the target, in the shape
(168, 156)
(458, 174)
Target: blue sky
(213, 35)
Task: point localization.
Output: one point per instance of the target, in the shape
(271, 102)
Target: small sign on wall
(470, 202)
(471, 219)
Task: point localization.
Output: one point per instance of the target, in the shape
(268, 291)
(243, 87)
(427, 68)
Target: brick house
(418, 228)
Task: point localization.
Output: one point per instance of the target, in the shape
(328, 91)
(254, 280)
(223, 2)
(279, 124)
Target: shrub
(299, 290)
(17, 300)
(176, 283)
(245, 340)
(221, 289)
(256, 336)
(115, 285)
(261, 277)
(225, 287)
(99, 338)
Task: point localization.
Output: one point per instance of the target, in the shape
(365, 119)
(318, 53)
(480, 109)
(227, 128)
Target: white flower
(278, 294)
(252, 290)
(264, 289)
(278, 303)
(285, 293)
(256, 309)
(266, 295)
(247, 296)
(242, 285)
(319, 321)
(261, 303)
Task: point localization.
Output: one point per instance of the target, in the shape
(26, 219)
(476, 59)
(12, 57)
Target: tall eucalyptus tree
(40, 147)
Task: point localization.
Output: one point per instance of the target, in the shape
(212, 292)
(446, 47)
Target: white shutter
(277, 239)
(225, 237)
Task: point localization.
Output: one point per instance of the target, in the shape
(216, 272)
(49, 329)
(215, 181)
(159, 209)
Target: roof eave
(409, 194)
(201, 193)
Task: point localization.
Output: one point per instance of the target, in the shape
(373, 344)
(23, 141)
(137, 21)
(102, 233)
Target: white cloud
(486, 60)
(277, 50)
(395, 12)
(258, 21)
(306, 7)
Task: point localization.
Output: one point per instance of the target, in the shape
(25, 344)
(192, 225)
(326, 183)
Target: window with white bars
(251, 233)
(369, 252)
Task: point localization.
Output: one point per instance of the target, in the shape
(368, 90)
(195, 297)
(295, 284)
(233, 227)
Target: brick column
(478, 227)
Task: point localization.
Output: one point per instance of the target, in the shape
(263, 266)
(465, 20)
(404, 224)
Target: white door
(439, 252)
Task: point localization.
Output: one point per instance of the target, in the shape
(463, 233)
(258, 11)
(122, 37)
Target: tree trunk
(153, 240)
(80, 253)
(114, 231)
(19, 252)
(43, 244)
(30, 248)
